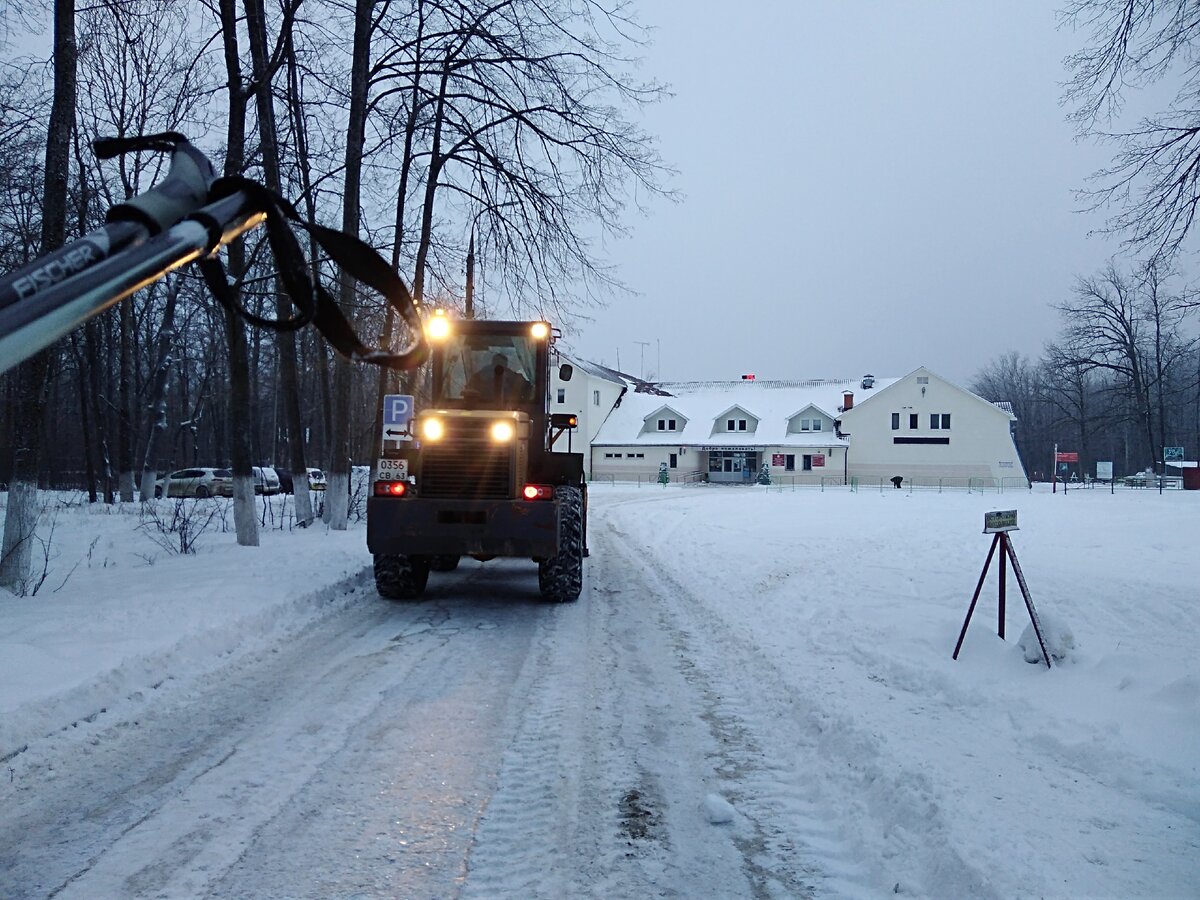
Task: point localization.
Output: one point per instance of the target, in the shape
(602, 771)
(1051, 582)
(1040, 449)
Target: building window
(805, 424)
(562, 395)
(741, 424)
(611, 455)
(922, 379)
(945, 421)
(912, 421)
(641, 456)
(729, 425)
(662, 424)
(895, 421)
(939, 421)
(817, 426)
(595, 398)
(789, 463)
(670, 424)
(673, 461)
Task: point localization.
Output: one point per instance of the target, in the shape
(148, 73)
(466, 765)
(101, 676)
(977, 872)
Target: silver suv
(197, 482)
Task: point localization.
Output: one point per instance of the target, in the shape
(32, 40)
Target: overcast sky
(869, 187)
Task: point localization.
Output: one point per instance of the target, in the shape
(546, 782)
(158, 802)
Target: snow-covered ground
(757, 682)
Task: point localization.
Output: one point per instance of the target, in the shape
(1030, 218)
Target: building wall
(834, 464)
(980, 438)
(580, 397)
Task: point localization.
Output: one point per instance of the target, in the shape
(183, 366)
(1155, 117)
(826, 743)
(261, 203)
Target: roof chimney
(847, 400)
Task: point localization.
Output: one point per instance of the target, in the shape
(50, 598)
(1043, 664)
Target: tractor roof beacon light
(540, 330)
(438, 327)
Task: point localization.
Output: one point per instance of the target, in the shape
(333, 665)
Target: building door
(807, 462)
(789, 463)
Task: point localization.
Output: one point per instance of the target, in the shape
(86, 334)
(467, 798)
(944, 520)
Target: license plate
(392, 469)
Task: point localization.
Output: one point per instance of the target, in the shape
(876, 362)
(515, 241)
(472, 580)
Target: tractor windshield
(491, 369)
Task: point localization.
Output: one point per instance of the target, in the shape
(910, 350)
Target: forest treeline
(484, 148)
(1119, 382)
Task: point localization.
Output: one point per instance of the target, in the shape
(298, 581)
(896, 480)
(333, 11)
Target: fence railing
(974, 485)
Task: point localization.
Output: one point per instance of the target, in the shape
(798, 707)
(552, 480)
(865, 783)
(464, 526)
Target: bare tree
(288, 389)
(21, 515)
(245, 519)
(1154, 181)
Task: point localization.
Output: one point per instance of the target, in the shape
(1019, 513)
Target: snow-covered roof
(702, 403)
(598, 371)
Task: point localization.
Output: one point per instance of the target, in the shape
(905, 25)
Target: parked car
(286, 484)
(223, 482)
(266, 480)
(196, 482)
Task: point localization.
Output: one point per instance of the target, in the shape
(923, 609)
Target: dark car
(287, 483)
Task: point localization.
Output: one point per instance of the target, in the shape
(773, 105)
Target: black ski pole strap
(354, 256)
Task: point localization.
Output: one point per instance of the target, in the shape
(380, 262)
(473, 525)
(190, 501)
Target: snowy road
(479, 743)
(781, 659)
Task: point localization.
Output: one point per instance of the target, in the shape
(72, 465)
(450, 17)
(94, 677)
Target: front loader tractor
(479, 473)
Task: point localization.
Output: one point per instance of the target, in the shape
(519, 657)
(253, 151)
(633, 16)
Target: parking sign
(397, 414)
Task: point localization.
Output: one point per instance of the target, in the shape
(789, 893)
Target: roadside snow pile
(117, 615)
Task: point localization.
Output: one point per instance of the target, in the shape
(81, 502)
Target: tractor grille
(467, 466)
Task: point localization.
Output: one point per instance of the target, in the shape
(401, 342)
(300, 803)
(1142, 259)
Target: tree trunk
(31, 377)
(245, 519)
(338, 492)
(156, 400)
(124, 403)
(289, 383)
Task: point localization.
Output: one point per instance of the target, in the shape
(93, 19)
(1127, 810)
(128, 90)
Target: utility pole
(642, 371)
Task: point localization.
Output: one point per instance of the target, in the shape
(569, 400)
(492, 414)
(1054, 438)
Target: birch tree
(21, 515)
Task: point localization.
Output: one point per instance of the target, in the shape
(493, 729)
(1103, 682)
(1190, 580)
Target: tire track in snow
(794, 809)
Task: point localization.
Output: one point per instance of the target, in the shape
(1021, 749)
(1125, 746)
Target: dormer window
(666, 425)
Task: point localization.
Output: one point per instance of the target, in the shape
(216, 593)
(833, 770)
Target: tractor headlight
(432, 429)
(539, 330)
(502, 431)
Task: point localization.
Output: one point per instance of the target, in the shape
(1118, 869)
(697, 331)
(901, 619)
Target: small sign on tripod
(1000, 523)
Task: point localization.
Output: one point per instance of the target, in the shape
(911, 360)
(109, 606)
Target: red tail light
(538, 492)
(391, 488)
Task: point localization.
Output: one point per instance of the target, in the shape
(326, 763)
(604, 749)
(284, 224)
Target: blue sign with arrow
(397, 416)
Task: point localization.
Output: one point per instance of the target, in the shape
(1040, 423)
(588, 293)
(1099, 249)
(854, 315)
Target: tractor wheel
(400, 577)
(444, 563)
(560, 578)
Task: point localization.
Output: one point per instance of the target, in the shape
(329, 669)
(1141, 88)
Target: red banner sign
(818, 460)
(777, 459)
(1066, 457)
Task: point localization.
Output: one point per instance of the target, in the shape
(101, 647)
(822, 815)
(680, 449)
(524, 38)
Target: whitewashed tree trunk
(303, 499)
(20, 524)
(146, 488)
(337, 500)
(245, 512)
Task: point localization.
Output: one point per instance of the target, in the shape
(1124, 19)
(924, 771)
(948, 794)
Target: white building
(921, 427)
(925, 428)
